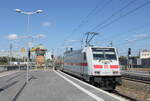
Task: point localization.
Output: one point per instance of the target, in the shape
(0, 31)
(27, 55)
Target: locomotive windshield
(104, 54)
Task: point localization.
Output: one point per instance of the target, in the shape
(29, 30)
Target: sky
(125, 23)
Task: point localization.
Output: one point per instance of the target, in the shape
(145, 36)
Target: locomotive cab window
(98, 55)
(110, 55)
(104, 54)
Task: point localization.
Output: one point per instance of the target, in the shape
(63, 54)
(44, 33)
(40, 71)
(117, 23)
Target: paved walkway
(2, 74)
(10, 84)
(48, 86)
(52, 86)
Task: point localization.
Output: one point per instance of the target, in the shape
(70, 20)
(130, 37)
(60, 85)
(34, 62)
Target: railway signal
(29, 54)
(129, 58)
(129, 52)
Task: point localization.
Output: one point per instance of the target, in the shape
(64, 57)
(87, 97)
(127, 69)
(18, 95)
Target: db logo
(105, 61)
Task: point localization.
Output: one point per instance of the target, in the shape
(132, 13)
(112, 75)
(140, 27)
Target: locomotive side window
(84, 56)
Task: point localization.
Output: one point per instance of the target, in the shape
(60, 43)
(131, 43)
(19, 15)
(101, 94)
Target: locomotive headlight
(115, 72)
(97, 72)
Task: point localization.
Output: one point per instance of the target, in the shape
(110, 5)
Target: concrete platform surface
(55, 86)
(50, 86)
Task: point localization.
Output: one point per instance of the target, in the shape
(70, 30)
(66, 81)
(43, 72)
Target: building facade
(145, 54)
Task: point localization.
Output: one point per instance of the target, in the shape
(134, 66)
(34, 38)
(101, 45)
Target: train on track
(97, 65)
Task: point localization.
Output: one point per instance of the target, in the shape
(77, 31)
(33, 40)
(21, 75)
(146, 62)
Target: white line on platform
(8, 73)
(81, 88)
(109, 94)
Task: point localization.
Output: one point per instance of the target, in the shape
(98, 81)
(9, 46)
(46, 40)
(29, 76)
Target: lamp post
(28, 23)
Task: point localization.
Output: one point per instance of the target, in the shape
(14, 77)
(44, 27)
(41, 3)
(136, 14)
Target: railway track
(138, 82)
(136, 76)
(131, 79)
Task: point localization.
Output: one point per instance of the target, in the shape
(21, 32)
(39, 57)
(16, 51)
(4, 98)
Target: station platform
(54, 86)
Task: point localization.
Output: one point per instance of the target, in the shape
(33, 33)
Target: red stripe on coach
(77, 64)
(84, 64)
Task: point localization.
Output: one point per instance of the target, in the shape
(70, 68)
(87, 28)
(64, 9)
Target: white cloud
(137, 37)
(130, 40)
(46, 24)
(40, 35)
(12, 37)
(141, 36)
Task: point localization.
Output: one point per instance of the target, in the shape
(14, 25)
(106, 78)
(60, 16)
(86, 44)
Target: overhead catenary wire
(95, 13)
(84, 20)
(105, 4)
(128, 13)
(100, 6)
(124, 15)
(143, 46)
(130, 44)
(114, 14)
(134, 50)
(128, 31)
(132, 41)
